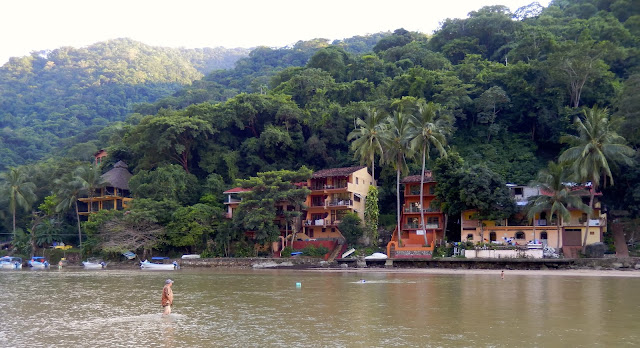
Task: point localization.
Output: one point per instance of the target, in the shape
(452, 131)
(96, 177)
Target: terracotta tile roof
(416, 178)
(324, 173)
(237, 190)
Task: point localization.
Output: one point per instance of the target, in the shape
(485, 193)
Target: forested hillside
(49, 97)
(509, 84)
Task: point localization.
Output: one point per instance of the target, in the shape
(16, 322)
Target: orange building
(114, 195)
(335, 193)
(412, 233)
(99, 156)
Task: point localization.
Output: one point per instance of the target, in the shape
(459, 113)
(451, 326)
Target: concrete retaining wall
(504, 254)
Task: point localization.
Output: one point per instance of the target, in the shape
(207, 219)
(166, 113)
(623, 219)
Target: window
(517, 191)
(311, 233)
(433, 220)
(470, 236)
(583, 219)
(519, 235)
(317, 201)
(356, 198)
(492, 236)
(543, 235)
(356, 180)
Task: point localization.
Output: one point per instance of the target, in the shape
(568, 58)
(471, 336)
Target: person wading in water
(167, 297)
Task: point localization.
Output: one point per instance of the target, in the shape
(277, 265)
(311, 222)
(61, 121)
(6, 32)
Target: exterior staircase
(338, 250)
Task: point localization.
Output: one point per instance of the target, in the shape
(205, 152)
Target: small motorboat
(159, 266)
(38, 262)
(90, 264)
(376, 256)
(10, 262)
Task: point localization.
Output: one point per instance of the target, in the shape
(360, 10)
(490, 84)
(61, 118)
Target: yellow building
(544, 228)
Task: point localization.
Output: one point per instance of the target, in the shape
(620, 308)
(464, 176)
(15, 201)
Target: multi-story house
(335, 193)
(543, 228)
(412, 235)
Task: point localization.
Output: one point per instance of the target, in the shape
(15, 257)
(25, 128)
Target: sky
(35, 25)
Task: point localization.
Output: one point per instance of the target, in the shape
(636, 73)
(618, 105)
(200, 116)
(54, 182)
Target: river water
(266, 308)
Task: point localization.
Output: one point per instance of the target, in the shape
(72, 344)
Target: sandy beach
(448, 271)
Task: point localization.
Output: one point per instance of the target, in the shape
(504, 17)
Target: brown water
(264, 308)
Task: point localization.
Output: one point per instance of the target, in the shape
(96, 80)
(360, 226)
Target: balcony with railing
(324, 187)
(230, 200)
(410, 226)
(321, 222)
(339, 203)
(415, 191)
(414, 209)
(415, 226)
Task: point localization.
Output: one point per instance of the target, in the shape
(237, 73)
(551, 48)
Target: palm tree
(554, 196)
(397, 148)
(90, 179)
(69, 190)
(429, 130)
(366, 139)
(596, 145)
(19, 190)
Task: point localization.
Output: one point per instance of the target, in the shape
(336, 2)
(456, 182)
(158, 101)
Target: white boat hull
(10, 265)
(40, 265)
(93, 265)
(159, 266)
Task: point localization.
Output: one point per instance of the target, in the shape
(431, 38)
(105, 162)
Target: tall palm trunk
(559, 236)
(534, 228)
(373, 165)
(13, 211)
(422, 224)
(78, 220)
(398, 204)
(591, 197)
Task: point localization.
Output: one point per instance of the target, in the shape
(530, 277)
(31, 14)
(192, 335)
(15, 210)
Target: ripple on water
(265, 309)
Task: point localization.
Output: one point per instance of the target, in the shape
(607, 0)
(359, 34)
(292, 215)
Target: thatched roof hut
(118, 176)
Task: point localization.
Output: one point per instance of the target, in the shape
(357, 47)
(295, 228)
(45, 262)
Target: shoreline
(496, 272)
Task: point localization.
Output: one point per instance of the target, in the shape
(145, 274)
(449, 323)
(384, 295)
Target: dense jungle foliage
(511, 85)
(53, 100)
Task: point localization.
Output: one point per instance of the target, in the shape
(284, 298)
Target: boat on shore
(38, 262)
(93, 264)
(10, 262)
(159, 266)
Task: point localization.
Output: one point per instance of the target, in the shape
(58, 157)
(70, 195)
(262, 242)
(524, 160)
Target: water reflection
(220, 308)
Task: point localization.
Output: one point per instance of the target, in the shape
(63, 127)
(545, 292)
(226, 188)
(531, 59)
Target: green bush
(387, 220)
(443, 251)
(313, 251)
(242, 249)
(286, 252)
